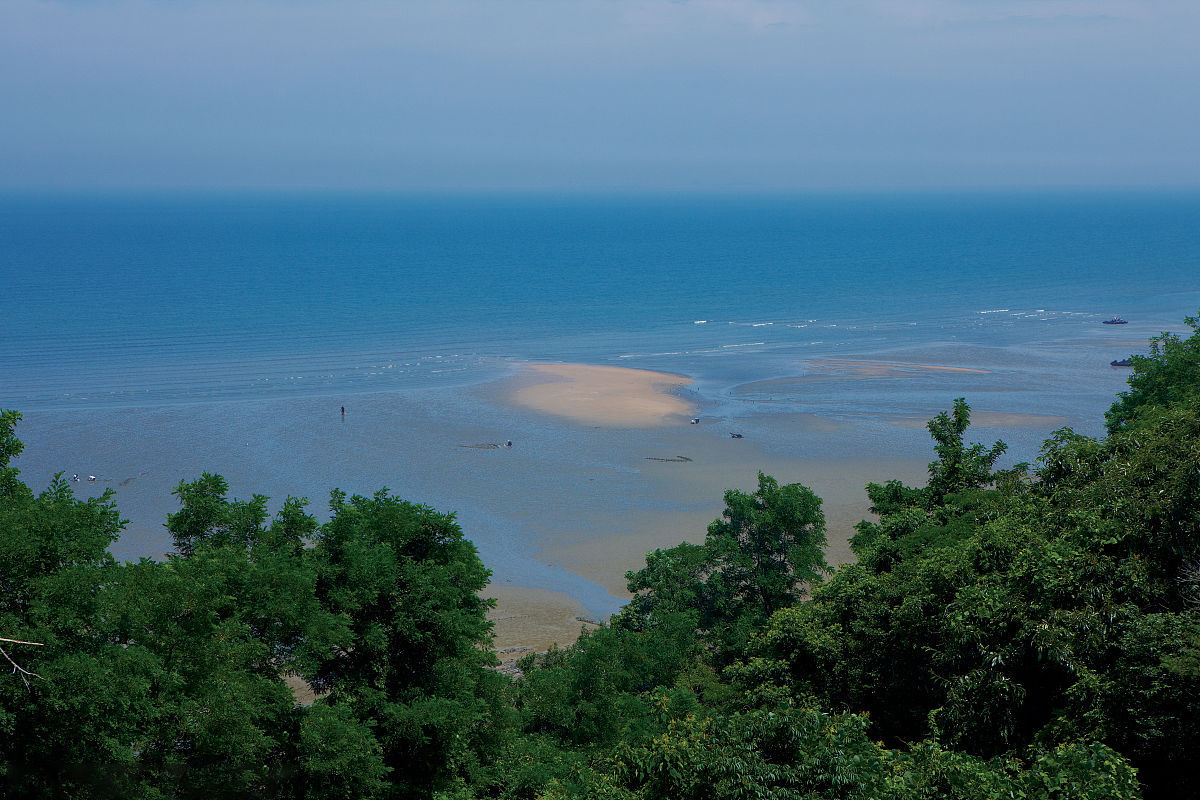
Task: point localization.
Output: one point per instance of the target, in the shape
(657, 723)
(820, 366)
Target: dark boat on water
(1124, 362)
(1115, 321)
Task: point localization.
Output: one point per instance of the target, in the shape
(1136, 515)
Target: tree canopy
(1029, 632)
(176, 678)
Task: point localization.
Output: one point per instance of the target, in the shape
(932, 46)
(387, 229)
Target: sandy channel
(642, 423)
(688, 466)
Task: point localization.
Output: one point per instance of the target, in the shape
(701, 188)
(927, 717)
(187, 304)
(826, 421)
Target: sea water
(244, 319)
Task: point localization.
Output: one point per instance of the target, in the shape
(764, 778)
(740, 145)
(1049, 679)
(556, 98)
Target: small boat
(1122, 362)
(1114, 321)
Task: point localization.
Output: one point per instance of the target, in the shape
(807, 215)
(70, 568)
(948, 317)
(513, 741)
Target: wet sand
(697, 489)
(604, 550)
(995, 419)
(823, 369)
(530, 620)
(682, 472)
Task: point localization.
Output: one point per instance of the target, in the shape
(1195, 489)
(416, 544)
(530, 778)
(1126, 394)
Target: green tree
(414, 667)
(63, 732)
(762, 555)
(1168, 375)
(768, 547)
(796, 754)
(216, 629)
(340, 758)
(10, 447)
(1053, 611)
(217, 719)
(958, 466)
(206, 517)
(594, 692)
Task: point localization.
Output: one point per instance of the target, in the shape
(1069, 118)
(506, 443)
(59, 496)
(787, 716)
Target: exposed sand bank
(528, 620)
(611, 397)
(829, 370)
(603, 553)
(994, 419)
(679, 474)
(535, 618)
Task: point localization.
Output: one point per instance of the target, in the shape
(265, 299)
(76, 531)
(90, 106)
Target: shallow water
(148, 339)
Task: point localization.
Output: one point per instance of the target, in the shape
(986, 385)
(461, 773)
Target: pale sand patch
(530, 620)
(610, 397)
(302, 693)
(993, 419)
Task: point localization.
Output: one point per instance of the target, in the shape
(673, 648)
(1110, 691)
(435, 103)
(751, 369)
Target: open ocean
(241, 320)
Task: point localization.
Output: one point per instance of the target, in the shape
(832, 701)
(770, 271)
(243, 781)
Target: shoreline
(605, 466)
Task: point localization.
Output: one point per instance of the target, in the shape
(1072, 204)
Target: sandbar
(529, 620)
(993, 419)
(608, 397)
(847, 368)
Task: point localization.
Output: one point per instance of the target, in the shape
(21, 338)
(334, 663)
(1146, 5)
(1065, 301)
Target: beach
(532, 364)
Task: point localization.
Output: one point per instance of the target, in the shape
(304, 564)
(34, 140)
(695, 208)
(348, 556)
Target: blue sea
(152, 299)
(147, 335)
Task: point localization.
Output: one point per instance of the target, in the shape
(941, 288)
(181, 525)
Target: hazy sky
(599, 94)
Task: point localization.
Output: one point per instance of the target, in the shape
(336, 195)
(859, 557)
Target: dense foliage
(1029, 633)
(175, 678)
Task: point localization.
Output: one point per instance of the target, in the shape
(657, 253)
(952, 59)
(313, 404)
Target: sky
(564, 95)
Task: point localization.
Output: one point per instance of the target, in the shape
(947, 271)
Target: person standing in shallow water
(343, 411)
